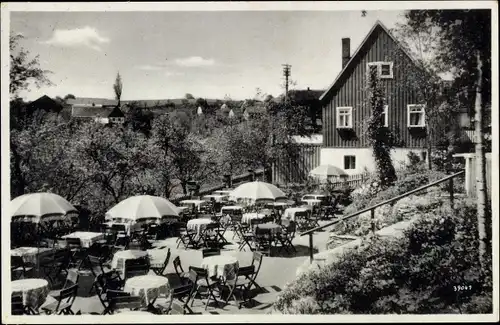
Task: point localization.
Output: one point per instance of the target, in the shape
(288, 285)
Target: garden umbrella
(39, 207)
(326, 171)
(258, 191)
(36, 207)
(143, 207)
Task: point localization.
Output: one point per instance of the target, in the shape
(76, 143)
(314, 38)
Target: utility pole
(286, 72)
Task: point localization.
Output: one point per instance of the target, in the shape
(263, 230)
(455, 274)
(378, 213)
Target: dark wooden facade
(350, 90)
(287, 171)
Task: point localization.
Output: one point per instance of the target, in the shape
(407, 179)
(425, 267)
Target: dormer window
(383, 69)
(344, 117)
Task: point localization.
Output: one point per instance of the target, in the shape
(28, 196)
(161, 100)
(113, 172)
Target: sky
(210, 54)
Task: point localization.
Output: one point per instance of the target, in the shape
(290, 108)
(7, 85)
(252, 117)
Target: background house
(104, 111)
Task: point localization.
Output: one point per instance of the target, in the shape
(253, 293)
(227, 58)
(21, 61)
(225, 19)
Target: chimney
(346, 51)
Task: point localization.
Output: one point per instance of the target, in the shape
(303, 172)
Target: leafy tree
(24, 71)
(189, 96)
(69, 96)
(118, 87)
(140, 118)
(464, 50)
(378, 136)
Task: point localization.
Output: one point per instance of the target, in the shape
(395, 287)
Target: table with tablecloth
(32, 255)
(250, 216)
(221, 266)
(272, 228)
(87, 238)
(198, 225)
(119, 258)
(148, 287)
(290, 212)
(130, 227)
(33, 291)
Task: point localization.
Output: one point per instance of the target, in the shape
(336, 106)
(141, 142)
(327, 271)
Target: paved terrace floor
(275, 272)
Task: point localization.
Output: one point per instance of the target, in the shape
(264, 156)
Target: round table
(221, 266)
(118, 262)
(198, 224)
(271, 227)
(251, 215)
(148, 287)
(33, 291)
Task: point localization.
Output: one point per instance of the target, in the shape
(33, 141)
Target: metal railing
(372, 208)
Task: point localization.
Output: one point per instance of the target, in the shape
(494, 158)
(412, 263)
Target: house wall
(286, 171)
(350, 90)
(364, 158)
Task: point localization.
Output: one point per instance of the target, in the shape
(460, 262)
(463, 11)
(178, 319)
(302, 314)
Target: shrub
(417, 273)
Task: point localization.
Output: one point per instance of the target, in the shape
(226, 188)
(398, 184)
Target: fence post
(311, 247)
(372, 211)
(451, 192)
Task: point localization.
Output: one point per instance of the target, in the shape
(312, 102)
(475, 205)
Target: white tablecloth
(198, 224)
(129, 227)
(118, 261)
(221, 266)
(31, 254)
(251, 215)
(228, 208)
(87, 238)
(290, 212)
(33, 291)
(148, 287)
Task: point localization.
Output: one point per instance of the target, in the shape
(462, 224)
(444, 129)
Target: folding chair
(121, 243)
(63, 303)
(77, 251)
(234, 285)
(210, 252)
(71, 279)
(262, 240)
(17, 306)
(203, 282)
(182, 294)
(287, 234)
(152, 232)
(159, 269)
(135, 268)
(124, 302)
(187, 237)
(251, 272)
(183, 276)
(210, 235)
(59, 263)
(17, 266)
(119, 229)
(246, 238)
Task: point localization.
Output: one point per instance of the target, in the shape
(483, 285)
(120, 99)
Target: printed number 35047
(462, 288)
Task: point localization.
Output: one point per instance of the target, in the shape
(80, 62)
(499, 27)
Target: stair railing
(372, 208)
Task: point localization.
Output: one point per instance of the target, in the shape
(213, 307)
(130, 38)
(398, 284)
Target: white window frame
(386, 116)
(346, 167)
(379, 69)
(409, 107)
(338, 117)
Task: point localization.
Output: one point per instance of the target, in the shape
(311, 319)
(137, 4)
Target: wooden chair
(262, 240)
(63, 303)
(59, 263)
(186, 237)
(287, 234)
(124, 302)
(158, 270)
(71, 279)
(250, 272)
(183, 294)
(246, 237)
(210, 252)
(204, 283)
(17, 306)
(135, 268)
(18, 268)
(183, 276)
